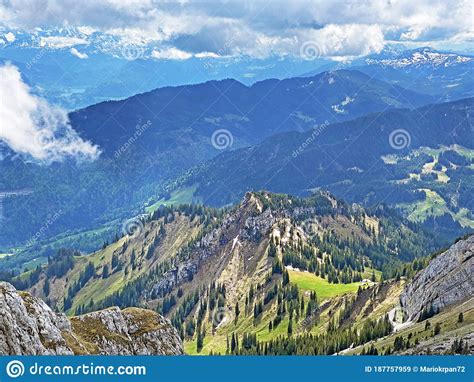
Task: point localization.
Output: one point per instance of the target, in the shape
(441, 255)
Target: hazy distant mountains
(155, 136)
(444, 75)
(391, 157)
(249, 113)
(148, 140)
(103, 67)
(348, 151)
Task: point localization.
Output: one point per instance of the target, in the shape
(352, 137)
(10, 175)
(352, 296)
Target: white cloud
(10, 37)
(32, 127)
(78, 54)
(256, 28)
(59, 42)
(171, 54)
(347, 40)
(207, 55)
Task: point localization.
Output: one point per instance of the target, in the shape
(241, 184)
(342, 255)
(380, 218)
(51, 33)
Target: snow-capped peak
(421, 57)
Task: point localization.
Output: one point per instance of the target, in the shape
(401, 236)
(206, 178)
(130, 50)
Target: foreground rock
(445, 281)
(29, 327)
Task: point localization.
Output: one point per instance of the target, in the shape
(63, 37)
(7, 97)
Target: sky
(180, 30)
(306, 30)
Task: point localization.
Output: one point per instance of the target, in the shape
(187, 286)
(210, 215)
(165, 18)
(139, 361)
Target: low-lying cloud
(32, 127)
(78, 54)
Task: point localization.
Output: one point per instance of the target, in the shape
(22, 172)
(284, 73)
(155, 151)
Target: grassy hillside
(129, 269)
(309, 282)
(272, 267)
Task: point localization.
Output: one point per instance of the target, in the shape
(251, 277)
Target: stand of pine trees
(329, 343)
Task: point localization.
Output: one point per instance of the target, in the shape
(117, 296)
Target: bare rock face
(29, 327)
(446, 280)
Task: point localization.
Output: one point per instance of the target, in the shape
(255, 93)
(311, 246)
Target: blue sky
(180, 30)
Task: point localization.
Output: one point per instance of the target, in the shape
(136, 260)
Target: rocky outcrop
(446, 280)
(441, 345)
(29, 327)
(248, 223)
(129, 331)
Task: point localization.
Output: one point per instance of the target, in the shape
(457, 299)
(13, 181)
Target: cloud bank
(255, 28)
(32, 127)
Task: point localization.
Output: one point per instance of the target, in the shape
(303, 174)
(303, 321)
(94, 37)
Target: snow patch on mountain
(339, 108)
(421, 57)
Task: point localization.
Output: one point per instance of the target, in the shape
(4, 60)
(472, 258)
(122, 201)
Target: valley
(266, 195)
(170, 133)
(275, 272)
(427, 181)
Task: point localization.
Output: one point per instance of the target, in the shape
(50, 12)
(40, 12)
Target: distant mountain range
(307, 215)
(77, 67)
(430, 168)
(156, 147)
(444, 75)
(153, 137)
(249, 113)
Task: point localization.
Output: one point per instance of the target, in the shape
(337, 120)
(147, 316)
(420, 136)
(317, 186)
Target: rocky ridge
(29, 327)
(445, 281)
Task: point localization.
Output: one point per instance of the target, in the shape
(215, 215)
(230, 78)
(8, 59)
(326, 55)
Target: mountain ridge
(213, 273)
(151, 138)
(273, 270)
(445, 75)
(217, 98)
(359, 155)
